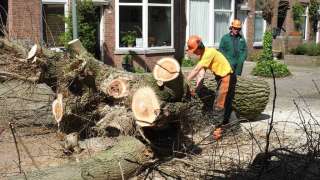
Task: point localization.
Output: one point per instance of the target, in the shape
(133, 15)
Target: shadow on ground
(280, 164)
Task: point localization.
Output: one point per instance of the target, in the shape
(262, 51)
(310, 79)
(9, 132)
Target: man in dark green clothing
(234, 47)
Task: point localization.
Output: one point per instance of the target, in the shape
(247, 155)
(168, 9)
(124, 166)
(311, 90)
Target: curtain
(222, 4)
(258, 28)
(221, 25)
(199, 19)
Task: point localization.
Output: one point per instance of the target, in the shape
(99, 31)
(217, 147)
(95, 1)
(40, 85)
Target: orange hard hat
(236, 23)
(193, 43)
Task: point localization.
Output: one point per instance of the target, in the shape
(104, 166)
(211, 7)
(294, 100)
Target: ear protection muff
(201, 45)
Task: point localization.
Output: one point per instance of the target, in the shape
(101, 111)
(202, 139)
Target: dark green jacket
(234, 48)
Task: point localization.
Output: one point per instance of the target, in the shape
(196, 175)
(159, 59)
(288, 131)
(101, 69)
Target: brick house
(216, 16)
(161, 26)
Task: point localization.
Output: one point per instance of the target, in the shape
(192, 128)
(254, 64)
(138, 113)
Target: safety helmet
(236, 23)
(193, 43)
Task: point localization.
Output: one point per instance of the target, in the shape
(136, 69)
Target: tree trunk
(120, 162)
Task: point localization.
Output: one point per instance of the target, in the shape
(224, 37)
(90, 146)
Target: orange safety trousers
(225, 94)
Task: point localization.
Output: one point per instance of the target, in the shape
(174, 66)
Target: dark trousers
(225, 94)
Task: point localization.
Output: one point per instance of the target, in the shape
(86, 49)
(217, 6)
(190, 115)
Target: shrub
(87, 23)
(300, 50)
(263, 69)
(267, 46)
(310, 49)
(297, 12)
(187, 62)
(313, 49)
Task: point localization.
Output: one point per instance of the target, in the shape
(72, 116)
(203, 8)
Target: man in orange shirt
(213, 60)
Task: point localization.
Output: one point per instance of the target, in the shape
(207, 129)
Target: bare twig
(16, 145)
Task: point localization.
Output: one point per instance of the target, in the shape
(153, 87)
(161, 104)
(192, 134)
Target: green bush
(187, 62)
(300, 50)
(310, 49)
(313, 49)
(87, 23)
(263, 69)
(267, 46)
(297, 12)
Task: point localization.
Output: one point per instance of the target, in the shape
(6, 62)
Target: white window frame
(306, 25)
(144, 49)
(99, 3)
(212, 11)
(259, 43)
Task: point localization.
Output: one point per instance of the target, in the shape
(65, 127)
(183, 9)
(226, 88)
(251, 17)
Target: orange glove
(217, 134)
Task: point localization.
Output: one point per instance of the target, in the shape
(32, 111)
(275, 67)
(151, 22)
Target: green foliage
(313, 14)
(87, 22)
(187, 62)
(139, 70)
(267, 46)
(300, 50)
(297, 12)
(310, 49)
(129, 38)
(263, 69)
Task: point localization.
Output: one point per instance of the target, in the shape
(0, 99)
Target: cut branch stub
(57, 108)
(33, 52)
(117, 88)
(76, 47)
(145, 104)
(166, 69)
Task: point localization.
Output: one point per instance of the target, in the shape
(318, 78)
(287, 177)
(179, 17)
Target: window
(210, 19)
(304, 24)
(53, 24)
(259, 25)
(144, 24)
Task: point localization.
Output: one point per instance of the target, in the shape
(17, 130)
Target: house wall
(146, 61)
(24, 20)
(284, 41)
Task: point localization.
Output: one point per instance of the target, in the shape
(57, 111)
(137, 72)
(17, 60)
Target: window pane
(258, 28)
(159, 26)
(199, 19)
(221, 25)
(130, 26)
(53, 24)
(222, 4)
(303, 26)
(130, 1)
(160, 1)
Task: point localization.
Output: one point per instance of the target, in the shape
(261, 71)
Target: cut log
(168, 75)
(33, 52)
(150, 110)
(57, 109)
(76, 47)
(251, 96)
(166, 69)
(121, 161)
(117, 88)
(145, 106)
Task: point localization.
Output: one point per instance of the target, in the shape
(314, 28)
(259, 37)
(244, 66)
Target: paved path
(299, 87)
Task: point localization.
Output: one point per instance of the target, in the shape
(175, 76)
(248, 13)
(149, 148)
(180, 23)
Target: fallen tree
(96, 99)
(122, 161)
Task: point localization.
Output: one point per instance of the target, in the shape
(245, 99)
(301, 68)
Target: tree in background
(88, 22)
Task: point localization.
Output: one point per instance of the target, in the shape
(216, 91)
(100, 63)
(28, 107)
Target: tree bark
(121, 161)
